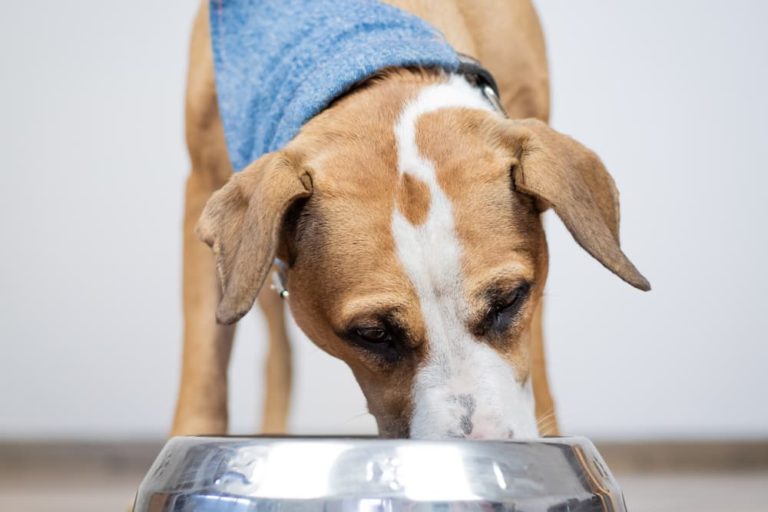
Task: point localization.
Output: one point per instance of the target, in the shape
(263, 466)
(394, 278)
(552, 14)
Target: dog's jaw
(464, 388)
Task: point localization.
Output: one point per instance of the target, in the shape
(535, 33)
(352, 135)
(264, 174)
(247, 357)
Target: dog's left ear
(561, 173)
(242, 223)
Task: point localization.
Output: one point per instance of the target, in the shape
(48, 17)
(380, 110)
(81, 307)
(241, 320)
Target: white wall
(672, 95)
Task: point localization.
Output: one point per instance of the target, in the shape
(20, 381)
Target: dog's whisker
(355, 417)
(546, 417)
(546, 422)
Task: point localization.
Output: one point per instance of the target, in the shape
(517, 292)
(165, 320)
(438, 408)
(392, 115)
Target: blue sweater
(280, 62)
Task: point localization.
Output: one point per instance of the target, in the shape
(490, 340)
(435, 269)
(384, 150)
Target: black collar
(471, 69)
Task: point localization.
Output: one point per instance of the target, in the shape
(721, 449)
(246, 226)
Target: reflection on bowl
(341, 474)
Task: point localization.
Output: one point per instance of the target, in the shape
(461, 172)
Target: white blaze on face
(465, 388)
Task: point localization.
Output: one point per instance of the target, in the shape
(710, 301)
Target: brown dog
(414, 243)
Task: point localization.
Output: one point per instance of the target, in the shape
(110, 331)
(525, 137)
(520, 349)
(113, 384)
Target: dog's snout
(470, 420)
(466, 405)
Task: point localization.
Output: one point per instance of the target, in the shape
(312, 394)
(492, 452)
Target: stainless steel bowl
(308, 474)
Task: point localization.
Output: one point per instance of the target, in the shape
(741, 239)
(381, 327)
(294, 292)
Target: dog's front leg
(201, 407)
(202, 402)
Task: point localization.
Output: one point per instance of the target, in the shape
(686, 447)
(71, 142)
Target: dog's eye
(382, 341)
(373, 334)
(505, 310)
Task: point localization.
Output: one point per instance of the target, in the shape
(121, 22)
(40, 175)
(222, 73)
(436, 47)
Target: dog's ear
(559, 172)
(242, 224)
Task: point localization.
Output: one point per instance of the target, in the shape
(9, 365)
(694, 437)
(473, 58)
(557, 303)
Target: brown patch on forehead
(413, 199)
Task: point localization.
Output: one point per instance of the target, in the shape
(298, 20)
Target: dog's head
(409, 216)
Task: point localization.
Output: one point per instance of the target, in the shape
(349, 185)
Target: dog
(407, 217)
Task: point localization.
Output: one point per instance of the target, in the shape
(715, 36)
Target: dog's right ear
(242, 223)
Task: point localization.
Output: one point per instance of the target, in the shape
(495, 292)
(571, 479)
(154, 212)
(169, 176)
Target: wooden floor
(102, 479)
(707, 492)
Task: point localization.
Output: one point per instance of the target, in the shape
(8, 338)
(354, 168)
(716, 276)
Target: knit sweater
(278, 63)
